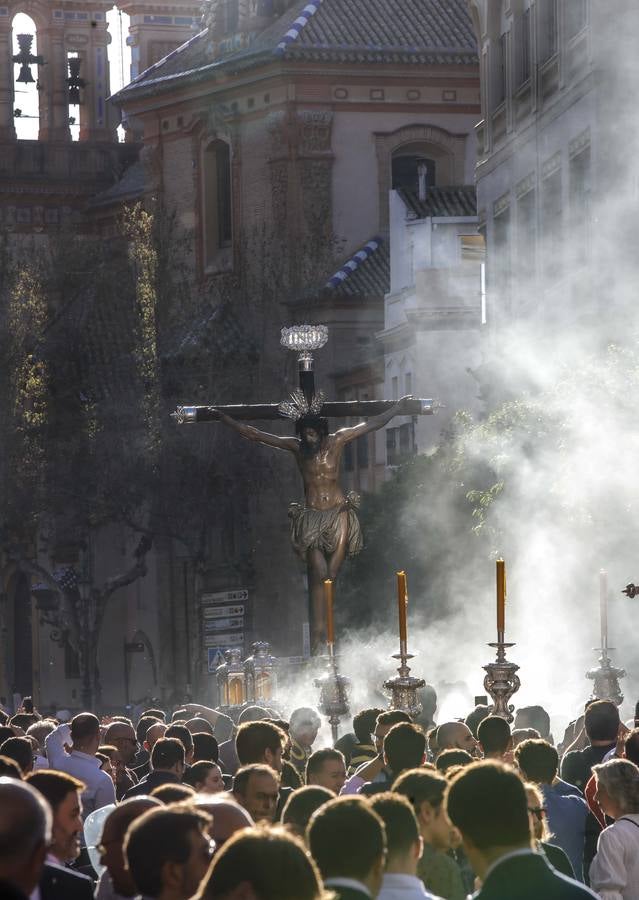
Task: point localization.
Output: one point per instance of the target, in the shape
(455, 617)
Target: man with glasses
(168, 852)
(122, 736)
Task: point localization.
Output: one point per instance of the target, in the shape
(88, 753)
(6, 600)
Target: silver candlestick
(605, 676)
(501, 680)
(403, 687)
(333, 688)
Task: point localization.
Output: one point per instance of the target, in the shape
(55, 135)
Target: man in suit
(63, 793)
(167, 767)
(487, 803)
(347, 840)
(25, 831)
(168, 852)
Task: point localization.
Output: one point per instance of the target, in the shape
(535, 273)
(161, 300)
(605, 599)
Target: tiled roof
(431, 32)
(442, 202)
(367, 277)
(395, 31)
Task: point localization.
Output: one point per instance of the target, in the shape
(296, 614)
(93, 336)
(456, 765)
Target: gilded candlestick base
(501, 682)
(605, 678)
(333, 698)
(404, 686)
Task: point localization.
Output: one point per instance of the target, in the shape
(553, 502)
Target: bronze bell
(26, 59)
(74, 81)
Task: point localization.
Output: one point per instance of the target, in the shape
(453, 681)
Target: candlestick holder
(501, 680)
(403, 687)
(333, 698)
(605, 678)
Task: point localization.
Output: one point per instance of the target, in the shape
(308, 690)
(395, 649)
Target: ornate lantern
(261, 674)
(231, 679)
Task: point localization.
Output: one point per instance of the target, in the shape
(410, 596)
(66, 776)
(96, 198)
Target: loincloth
(319, 529)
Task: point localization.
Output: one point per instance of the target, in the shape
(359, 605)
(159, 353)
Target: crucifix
(325, 529)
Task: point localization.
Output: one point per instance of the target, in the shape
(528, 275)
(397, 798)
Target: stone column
(94, 115)
(54, 99)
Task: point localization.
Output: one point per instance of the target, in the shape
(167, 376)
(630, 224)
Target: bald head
(25, 832)
(113, 833)
(455, 736)
(122, 735)
(153, 734)
(228, 817)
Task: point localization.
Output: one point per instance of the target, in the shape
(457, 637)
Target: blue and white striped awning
(302, 20)
(354, 262)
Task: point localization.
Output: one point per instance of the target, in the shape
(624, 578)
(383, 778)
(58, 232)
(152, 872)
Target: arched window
(76, 83)
(218, 217)
(407, 165)
(26, 101)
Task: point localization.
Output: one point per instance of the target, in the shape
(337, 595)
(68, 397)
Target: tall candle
(603, 606)
(501, 596)
(402, 604)
(328, 598)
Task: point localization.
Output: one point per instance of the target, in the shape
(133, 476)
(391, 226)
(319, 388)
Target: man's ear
(418, 848)
(426, 813)
(171, 875)
(145, 744)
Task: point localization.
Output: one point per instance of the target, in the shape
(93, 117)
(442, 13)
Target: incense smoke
(570, 504)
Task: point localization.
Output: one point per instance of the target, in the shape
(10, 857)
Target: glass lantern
(261, 674)
(231, 679)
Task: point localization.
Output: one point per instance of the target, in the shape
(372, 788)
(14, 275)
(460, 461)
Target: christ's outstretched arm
(344, 435)
(260, 437)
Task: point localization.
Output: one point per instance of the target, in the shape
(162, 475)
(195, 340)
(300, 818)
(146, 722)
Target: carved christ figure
(326, 528)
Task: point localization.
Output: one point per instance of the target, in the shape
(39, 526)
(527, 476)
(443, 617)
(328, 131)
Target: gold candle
(501, 597)
(328, 597)
(402, 604)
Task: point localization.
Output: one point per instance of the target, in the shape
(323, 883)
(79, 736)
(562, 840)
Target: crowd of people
(196, 804)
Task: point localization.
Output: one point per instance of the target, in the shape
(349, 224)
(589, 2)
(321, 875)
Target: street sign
(225, 596)
(222, 624)
(226, 640)
(216, 612)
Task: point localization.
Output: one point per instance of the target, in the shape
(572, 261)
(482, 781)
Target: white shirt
(614, 872)
(403, 887)
(100, 790)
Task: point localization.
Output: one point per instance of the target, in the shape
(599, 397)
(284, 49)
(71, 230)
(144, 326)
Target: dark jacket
(529, 877)
(11, 892)
(60, 883)
(153, 779)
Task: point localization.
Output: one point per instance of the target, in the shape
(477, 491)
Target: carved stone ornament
(315, 130)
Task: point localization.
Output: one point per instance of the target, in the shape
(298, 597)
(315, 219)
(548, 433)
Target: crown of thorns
(297, 406)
